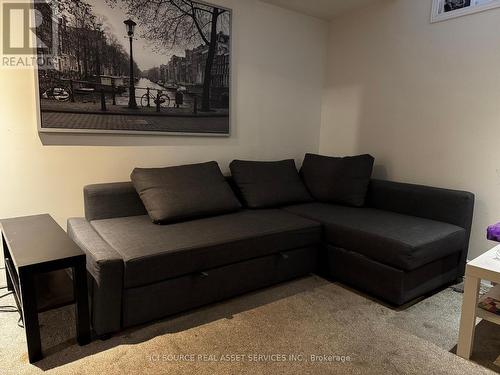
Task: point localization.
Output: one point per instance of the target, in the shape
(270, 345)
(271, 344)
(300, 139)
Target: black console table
(38, 256)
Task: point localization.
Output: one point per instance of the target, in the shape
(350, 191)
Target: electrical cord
(10, 308)
(7, 308)
(6, 294)
(459, 288)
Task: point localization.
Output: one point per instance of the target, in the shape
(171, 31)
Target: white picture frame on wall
(446, 9)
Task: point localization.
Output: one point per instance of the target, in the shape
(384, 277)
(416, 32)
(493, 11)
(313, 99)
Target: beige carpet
(274, 331)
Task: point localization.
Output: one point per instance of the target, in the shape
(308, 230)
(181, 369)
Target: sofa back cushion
(341, 180)
(269, 184)
(184, 192)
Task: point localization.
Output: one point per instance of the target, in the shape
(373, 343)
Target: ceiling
(326, 9)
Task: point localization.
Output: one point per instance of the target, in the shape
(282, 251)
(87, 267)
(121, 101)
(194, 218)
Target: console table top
(38, 239)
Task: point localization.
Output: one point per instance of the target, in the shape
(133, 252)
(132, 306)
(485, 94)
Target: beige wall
(423, 98)
(278, 74)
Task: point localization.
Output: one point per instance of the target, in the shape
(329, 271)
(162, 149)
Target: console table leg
(30, 316)
(468, 317)
(6, 256)
(82, 303)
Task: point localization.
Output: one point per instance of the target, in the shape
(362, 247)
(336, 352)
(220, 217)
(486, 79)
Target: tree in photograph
(84, 40)
(180, 23)
(115, 58)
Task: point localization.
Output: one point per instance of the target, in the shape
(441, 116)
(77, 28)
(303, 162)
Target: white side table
(487, 267)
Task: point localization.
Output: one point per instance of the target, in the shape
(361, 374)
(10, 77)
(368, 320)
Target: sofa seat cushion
(152, 253)
(401, 241)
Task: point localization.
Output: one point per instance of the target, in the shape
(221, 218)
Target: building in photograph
(176, 70)
(195, 63)
(220, 70)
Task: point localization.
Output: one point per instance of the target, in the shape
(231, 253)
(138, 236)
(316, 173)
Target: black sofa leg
(322, 267)
(105, 336)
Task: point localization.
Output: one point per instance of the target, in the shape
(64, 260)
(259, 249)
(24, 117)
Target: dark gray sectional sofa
(406, 241)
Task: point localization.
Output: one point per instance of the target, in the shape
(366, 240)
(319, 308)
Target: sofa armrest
(449, 206)
(105, 268)
(105, 201)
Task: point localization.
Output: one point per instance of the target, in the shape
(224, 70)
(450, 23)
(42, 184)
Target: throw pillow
(184, 192)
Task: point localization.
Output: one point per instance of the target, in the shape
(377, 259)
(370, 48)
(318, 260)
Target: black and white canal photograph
(135, 66)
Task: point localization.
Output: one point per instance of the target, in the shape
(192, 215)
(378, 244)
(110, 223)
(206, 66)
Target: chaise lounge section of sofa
(406, 241)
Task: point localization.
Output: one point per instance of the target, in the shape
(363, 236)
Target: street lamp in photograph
(130, 32)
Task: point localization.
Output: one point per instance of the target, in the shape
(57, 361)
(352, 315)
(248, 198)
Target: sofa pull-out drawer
(284, 256)
(186, 292)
